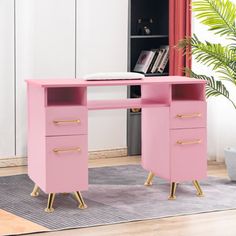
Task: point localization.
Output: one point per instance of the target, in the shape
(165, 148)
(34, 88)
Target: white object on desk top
(113, 76)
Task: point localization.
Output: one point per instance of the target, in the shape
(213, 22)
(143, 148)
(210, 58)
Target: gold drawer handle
(183, 116)
(181, 142)
(58, 150)
(57, 122)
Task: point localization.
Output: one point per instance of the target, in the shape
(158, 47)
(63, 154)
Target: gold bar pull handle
(57, 122)
(59, 150)
(196, 141)
(192, 115)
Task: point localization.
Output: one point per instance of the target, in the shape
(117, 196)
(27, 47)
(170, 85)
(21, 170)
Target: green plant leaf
(218, 15)
(213, 87)
(221, 58)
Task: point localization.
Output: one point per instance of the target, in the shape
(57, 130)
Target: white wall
(102, 28)
(221, 114)
(45, 49)
(7, 119)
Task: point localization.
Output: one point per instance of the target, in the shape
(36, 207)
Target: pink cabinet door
(188, 154)
(187, 114)
(155, 141)
(66, 163)
(66, 120)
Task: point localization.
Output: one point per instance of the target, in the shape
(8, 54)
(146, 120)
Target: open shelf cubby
(157, 10)
(66, 96)
(137, 45)
(188, 92)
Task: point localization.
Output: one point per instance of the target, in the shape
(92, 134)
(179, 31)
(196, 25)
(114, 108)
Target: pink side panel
(188, 108)
(160, 93)
(65, 113)
(155, 141)
(189, 161)
(36, 134)
(67, 171)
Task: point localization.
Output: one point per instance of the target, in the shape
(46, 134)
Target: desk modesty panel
(173, 131)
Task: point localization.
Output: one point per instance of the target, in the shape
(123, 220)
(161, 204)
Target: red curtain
(179, 28)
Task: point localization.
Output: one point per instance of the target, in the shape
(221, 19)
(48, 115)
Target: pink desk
(173, 132)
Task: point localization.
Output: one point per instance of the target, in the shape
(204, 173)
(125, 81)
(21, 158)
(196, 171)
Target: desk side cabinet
(174, 137)
(58, 140)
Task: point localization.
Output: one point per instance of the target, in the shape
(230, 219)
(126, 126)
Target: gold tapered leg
(80, 200)
(35, 191)
(149, 179)
(198, 188)
(51, 197)
(172, 191)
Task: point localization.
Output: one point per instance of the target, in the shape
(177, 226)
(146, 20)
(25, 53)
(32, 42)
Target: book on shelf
(156, 51)
(159, 64)
(157, 61)
(144, 61)
(164, 60)
(153, 61)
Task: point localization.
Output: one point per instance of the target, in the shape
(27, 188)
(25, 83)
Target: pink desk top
(83, 83)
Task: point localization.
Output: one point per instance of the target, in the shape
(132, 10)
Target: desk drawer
(188, 154)
(66, 163)
(66, 120)
(188, 114)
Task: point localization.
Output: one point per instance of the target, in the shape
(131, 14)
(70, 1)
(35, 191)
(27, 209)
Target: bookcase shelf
(158, 11)
(157, 74)
(135, 113)
(147, 36)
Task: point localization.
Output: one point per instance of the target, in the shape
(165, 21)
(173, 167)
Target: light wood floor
(215, 224)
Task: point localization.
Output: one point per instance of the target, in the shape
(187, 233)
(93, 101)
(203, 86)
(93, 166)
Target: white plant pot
(230, 161)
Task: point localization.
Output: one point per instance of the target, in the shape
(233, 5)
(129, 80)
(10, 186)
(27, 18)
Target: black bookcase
(154, 14)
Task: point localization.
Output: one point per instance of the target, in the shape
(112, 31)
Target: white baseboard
(112, 153)
(13, 161)
(22, 161)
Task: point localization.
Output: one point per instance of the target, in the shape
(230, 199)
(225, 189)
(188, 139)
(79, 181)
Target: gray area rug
(116, 194)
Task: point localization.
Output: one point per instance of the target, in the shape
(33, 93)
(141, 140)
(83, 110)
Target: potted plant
(219, 16)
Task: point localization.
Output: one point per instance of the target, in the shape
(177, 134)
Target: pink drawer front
(187, 114)
(188, 154)
(66, 120)
(66, 163)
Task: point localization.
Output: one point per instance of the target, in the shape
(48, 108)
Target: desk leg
(198, 188)
(51, 197)
(149, 179)
(172, 191)
(35, 191)
(80, 200)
